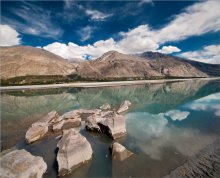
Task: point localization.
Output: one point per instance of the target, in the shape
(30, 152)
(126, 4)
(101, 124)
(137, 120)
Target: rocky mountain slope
(28, 61)
(25, 62)
(159, 59)
(116, 65)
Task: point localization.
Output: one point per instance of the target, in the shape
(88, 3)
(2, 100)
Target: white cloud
(177, 114)
(197, 19)
(209, 54)
(97, 15)
(35, 21)
(72, 50)
(8, 36)
(138, 40)
(142, 2)
(169, 49)
(85, 33)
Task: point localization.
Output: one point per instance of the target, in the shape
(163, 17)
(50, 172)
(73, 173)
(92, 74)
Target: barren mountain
(29, 61)
(116, 65)
(171, 64)
(24, 65)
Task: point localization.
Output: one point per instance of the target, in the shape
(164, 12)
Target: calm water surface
(167, 124)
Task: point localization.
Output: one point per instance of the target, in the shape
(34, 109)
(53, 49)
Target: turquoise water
(167, 124)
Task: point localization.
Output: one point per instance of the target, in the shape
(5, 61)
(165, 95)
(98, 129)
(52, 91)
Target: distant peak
(109, 54)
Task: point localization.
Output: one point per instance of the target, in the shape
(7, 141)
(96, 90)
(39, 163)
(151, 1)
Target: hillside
(29, 65)
(20, 61)
(159, 59)
(116, 65)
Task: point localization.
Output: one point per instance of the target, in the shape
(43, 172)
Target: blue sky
(80, 29)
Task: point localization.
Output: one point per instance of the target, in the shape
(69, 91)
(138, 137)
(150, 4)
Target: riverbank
(96, 84)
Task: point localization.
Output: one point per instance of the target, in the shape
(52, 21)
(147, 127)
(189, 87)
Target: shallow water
(167, 124)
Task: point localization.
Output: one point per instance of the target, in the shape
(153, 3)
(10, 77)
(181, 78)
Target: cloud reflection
(151, 133)
(208, 103)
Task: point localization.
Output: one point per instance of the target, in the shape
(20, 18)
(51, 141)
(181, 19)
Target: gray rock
(92, 122)
(124, 106)
(113, 125)
(119, 152)
(74, 150)
(36, 132)
(39, 129)
(21, 164)
(67, 122)
(50, 118)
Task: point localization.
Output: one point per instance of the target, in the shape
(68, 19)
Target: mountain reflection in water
(166, 124)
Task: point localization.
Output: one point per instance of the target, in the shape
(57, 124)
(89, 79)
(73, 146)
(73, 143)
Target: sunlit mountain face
(84, 30)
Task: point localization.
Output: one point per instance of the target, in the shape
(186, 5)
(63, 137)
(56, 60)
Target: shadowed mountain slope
(159, 60)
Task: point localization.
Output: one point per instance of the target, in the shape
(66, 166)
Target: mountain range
(22, 64)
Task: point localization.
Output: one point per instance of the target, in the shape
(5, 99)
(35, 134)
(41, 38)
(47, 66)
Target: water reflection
(167, 123)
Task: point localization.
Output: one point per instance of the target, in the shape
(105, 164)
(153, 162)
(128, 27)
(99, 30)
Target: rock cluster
(74, 149)
(20, 163)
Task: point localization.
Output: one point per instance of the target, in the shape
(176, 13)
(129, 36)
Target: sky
(84, 30)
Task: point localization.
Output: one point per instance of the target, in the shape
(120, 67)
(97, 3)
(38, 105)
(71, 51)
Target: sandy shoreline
(96, 84)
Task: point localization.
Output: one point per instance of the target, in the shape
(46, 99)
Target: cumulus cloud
(72, 51)
(8, 36)
(97, 15)
(194, 20)
(209, 54)
(169, 49)
(138, 40)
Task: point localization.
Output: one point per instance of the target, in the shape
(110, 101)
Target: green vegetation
(58, 79)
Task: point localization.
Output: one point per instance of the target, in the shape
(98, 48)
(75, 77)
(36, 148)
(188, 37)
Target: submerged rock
(113, 125)
(48, 119)
(74, 150)
(105, 106)
(67, 122)
(119, 152)
(20, 163)
(124, 106)
(40, 128)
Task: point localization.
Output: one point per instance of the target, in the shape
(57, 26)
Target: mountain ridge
(25, 61)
